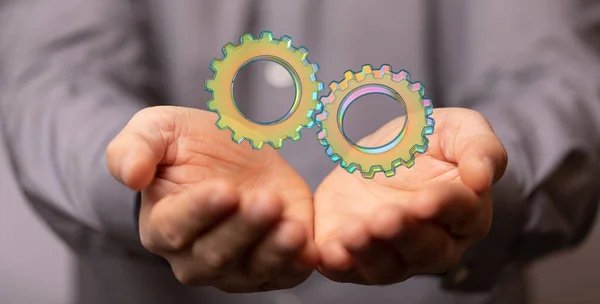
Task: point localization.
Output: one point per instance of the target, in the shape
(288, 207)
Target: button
(278, 76)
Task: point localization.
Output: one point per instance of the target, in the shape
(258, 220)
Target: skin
(222, 214)
(420, 221)
(241, 220)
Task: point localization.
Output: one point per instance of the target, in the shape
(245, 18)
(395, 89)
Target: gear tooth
(343, 163)
(310, 122)
(321, 116)
(428, 130)
(367, 69)
(320, 106)
(323, 142)
(329, 151)
(246, 38)
(401, 75)
(222, 123)
(296, 134)
(214, 65)
(409, 163)
(227, 49)
(277, 144)
(418, 87)
(385, 69)
(208, 85)
(266, 35)
(334, 86)
(315, 67)
(351, 168)
(256, 144)
(236, 137)
(210, 106)
(395, 165)
(348, 75)
(302, 53)
(428, 111)
(335, 157)
(390, 173)
(418, 149)
(370, 173)
(286, 41)
(320, 87)
(427, 103)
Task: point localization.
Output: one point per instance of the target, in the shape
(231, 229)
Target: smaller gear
(280, 51)
(401, 150)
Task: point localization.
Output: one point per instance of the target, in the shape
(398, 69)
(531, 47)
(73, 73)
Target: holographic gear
(401, 150)
(280, 51)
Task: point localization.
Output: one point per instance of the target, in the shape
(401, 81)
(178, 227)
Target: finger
(482, 162)
(379, 263)
(426, 247)
(279, 250)
(338, 265)
(454, 206)
(133, 155)
(225, 245)
(177, 220)
(472, 143)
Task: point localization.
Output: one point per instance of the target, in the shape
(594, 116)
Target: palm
(343, 197)
(200, 152)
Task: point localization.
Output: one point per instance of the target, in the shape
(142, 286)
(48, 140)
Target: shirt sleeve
(72, 73)
(545, 107)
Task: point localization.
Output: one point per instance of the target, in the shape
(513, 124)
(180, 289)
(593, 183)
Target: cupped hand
(420, 221)
(221, 214)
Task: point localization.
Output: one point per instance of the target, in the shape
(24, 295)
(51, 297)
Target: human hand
(420, 221)
(222, 214)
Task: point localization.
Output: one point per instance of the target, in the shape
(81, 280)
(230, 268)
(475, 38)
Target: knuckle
(216, 261)
(184, 276)
(172, 238)
(165, 233)
(148, 242)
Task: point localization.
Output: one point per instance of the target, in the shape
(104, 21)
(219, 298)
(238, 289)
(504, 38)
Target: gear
(401, 150)
(280, 51)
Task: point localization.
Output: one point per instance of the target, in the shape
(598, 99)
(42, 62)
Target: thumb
(133, 155)
(482, 162)
(473, 145)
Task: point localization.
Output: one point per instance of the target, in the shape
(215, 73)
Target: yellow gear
(401, 150)
(281, 51)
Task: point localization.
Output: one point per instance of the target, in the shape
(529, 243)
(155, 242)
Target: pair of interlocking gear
(307, 110)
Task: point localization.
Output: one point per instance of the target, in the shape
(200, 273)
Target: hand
(420, 221)
(222, 214)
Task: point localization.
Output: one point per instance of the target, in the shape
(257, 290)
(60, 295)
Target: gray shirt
(73, 72)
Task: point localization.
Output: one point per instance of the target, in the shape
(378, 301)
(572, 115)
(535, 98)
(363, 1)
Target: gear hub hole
(368, 114)
(252, 80)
